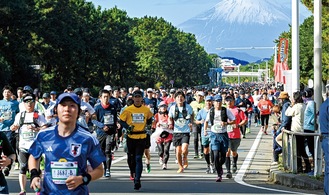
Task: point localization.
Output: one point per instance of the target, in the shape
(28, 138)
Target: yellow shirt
(136, 116)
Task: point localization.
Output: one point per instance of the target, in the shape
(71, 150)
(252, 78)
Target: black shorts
(181, 138)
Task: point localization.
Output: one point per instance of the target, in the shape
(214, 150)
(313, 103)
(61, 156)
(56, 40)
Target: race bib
(108, 119)
(138, 118)
(7, 115)
(60, 171)
(229, 128)
(217, 128)
(243, 109)
(180, 122)
(28, 135)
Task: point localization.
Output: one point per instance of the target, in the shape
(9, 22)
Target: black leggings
(219, 158)
(197, 137)
(164, 151)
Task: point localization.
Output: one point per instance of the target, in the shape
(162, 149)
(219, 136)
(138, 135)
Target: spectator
(296, 111)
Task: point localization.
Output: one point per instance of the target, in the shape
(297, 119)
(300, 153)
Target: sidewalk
(261, 168)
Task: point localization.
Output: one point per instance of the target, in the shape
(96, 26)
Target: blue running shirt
(65, 156)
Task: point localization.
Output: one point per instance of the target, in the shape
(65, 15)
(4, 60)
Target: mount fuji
(243, 24)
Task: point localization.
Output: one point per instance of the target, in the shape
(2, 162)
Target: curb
(294, 180)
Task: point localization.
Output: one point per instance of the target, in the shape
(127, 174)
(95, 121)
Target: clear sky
(174, 11)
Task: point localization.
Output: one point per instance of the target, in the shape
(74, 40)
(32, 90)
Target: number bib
(229, 128)
(28, 135)
(108, 119)
(138, 118)
(217, 128)
(60, 171)
(7, 115)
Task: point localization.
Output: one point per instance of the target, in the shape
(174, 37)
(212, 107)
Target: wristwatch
(86, 178)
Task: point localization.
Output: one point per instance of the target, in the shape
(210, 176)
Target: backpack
(184, 112)
(35, 119)
(223, 115)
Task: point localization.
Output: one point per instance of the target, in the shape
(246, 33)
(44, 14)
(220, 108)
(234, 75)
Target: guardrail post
(318, 157)
(294, 153)
(285, 151)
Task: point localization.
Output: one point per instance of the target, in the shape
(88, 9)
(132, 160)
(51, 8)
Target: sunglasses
(28, 101)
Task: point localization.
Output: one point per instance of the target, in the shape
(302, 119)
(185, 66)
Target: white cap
(149, 89)
(200, 93)
(108, 87)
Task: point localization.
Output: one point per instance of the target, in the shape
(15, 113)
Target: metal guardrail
(289, 151)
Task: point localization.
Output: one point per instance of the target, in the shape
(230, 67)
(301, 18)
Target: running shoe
(22, 193)
(137, 185)
(196, 156)
(219, 179)
(148, 168)
(212, 169)
(229, 175)
(180, 170)
(208, 169)
(160, 161)
(132, 177)
(107, 173)
(164, 167)
(247, 130)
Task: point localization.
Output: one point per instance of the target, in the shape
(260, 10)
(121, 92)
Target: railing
(289, 151)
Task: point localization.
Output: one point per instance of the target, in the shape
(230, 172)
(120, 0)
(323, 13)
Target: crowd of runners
(217, 119)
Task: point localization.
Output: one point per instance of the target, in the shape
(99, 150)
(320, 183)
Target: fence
(289, 151)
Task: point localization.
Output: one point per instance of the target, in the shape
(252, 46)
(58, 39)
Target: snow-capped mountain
(242, 24)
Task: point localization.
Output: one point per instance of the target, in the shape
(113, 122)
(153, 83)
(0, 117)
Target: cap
(71, 96)
(108, 87)
(78, 91)
(218, 98)
(27, 89)
(53, 93)
(242, 92)
(229, 98)
(161, 87)
(149, 89)
(86, 90)
(201, 93)
(69, 87)
(189, 91)
(163, 91)
(28, 97)
(162, 104)
(172, 90)
(209, 98)
(137, 93)
(85, 94)
(46, 95)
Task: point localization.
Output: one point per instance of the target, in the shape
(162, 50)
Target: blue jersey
(8, 111)
(152, 104)
(65, 156)
(202, 115)
(181, 125)
(324, 117)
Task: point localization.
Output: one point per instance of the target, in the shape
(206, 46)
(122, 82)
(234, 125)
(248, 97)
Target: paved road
(254, 162)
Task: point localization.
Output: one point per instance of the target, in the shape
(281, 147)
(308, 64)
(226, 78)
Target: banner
(283, 51)
(282, 61)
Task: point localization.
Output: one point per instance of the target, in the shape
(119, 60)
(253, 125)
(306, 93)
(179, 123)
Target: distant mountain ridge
(240, 24)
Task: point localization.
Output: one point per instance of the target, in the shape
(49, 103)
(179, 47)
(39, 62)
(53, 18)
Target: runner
(234, 135)
(219, 117)
(181, 120)
(65, 145)
(265, 106)
(106, 117)
(205, 137)
(134, 119)
(28, 123)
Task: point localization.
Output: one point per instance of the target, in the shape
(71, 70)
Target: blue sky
(174, 11)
